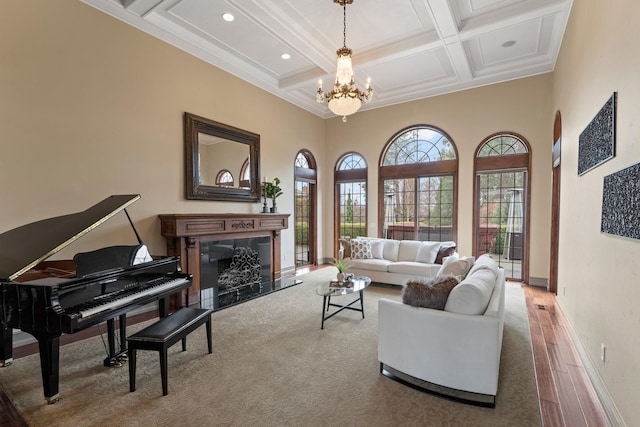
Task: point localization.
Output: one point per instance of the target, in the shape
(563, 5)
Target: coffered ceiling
(410, 49)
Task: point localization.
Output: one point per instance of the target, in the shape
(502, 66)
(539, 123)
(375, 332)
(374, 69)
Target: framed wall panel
(621, 203)
(597, 142)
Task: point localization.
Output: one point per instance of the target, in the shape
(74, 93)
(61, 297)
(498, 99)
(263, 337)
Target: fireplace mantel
(184, 232)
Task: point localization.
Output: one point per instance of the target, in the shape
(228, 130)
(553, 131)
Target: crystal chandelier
(345, 99)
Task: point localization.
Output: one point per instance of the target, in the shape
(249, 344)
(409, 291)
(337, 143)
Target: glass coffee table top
(354, 285)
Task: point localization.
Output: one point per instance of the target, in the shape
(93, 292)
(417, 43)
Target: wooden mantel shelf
(184, 232)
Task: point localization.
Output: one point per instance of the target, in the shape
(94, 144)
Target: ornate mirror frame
(194, 127)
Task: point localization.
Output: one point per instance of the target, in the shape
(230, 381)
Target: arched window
(245, 174)
(350, 214)
(501, 208)
(417, 189)
(305, 209)
(224, 178)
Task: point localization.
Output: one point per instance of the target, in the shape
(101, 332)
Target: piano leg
(50, 365)
(115, 358)
(6, 346)
(163, 307)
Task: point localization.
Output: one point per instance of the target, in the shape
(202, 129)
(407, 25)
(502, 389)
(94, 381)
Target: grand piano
(105, 285)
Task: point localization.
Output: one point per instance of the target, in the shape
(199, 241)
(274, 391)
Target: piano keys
(49, 306)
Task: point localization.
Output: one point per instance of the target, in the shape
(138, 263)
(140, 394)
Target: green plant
(340, 264)
(272, 189)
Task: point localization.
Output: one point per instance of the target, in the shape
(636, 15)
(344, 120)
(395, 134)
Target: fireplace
(208, 244)
(234, 270)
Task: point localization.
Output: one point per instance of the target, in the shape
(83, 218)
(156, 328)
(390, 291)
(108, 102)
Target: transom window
(502, 145)
(417, 192)
(224, 178)
(302, 161)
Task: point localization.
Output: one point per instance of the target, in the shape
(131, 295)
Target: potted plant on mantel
(342, 266)
(272, 190)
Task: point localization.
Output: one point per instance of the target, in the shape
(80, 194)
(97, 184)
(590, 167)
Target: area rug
(272, 365)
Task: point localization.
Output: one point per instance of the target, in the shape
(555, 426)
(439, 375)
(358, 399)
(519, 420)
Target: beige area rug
(272, 366)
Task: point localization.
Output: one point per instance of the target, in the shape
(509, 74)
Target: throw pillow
(458, 267)
(361, 249)
(431, 294)
(377, 248)
(427, 252)
(345, 243)
(444, 252)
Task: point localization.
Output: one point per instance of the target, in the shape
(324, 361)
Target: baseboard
(540, 282)
(609, 406)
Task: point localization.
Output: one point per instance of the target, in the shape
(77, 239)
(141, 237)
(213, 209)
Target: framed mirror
(222, 161)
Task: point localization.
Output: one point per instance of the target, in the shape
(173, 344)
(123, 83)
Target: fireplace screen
(234, 270)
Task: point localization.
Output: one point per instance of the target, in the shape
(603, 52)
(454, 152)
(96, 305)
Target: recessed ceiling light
(508, 43)
(228, 17)
(285, 56)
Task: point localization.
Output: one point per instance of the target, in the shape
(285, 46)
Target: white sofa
(455, 351)
(395, 261)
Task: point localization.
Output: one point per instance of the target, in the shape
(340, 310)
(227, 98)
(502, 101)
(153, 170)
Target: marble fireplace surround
(186, 232)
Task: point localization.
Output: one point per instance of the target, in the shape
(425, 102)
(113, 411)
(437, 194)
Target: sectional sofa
(454, 351)
(394, 261)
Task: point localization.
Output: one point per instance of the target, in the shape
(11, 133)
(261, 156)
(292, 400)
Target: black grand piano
(106, 284)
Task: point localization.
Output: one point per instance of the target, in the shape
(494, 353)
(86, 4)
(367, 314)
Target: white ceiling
(410, 49)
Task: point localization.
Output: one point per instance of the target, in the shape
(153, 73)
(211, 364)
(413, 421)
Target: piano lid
(24, 247)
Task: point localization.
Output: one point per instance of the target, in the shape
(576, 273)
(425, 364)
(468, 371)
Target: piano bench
(163, 334)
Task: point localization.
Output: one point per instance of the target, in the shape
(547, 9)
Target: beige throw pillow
(458, 267)
(345, 242)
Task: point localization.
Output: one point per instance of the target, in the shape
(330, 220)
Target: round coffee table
(330, 289)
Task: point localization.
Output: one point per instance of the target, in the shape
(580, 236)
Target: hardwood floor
(567, 397)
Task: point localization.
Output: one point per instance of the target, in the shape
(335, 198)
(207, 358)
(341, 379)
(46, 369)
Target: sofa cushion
(361, 249)
(484, 262)
(413, 268)
(446, 249)
(408, 250)
(377, 248)
(428, 252)
(391, 249)
(472, 295)
(370, 264)
(456, 266)
(428, 294)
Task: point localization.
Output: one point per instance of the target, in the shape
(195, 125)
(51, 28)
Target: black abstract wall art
(621, 203)
(597, 142)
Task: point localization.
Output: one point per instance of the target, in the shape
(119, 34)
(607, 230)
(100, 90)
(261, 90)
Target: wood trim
(555, 204)
(514, 161)
(442, 167)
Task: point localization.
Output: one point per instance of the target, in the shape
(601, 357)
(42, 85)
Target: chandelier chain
(344, 25)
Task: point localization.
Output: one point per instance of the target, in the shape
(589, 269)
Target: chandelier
(345, 99)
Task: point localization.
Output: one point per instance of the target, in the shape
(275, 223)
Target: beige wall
(90, 107)
(598, 275)
(520, 106)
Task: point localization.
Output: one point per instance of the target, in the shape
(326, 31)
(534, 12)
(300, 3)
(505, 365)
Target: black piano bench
(165, 333)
